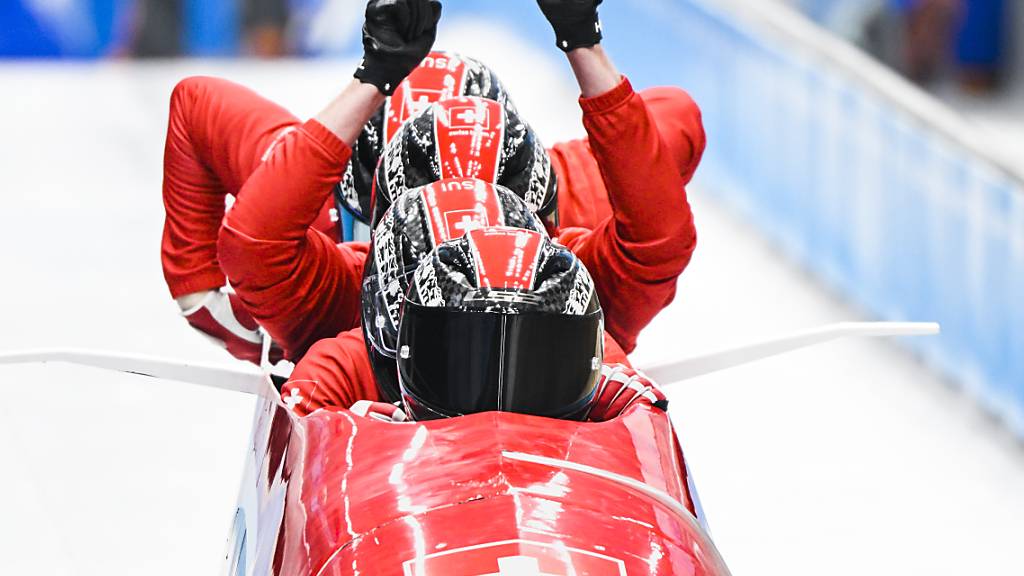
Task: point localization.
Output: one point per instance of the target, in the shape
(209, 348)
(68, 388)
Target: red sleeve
(637, 254)
(680, 125)
(613, 353)
(335, 372)
(217, 132)
(582, 195)
(297, 283)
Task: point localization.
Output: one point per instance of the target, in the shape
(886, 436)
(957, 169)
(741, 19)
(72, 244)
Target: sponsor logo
(459, 206)
(504, 298)
(455, 185)
(441, 62)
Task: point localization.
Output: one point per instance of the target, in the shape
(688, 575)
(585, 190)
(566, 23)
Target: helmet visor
(456, 362)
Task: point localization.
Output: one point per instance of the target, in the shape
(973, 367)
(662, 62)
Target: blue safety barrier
(70, 29)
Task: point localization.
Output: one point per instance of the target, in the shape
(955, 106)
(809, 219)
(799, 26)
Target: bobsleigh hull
(335, 493)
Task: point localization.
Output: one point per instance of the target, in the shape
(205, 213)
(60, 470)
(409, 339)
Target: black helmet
(440, 76)
(467, 137)
(501, 319)
(421, 220)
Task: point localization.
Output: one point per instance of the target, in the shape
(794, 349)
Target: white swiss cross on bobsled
(514, 557)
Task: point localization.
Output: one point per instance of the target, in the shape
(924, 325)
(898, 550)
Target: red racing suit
(304, 288)
(218, 132)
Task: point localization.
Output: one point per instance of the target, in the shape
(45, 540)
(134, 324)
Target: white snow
(845, 459)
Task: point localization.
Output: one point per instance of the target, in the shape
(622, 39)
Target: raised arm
(637, 253)
(296, 282)
(397, 35)
(578, 33)
(595, 72)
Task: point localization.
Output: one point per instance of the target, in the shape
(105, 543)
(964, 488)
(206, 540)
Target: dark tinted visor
(455, 362)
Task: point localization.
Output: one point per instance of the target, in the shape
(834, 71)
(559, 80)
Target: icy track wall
(871, 185)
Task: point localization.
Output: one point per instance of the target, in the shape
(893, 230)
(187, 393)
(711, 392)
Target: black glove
(397, 36)
(575, 22)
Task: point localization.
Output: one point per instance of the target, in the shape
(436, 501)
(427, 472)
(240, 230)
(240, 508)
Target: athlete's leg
(217, 134)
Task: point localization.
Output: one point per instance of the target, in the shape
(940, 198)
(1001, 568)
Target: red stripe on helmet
(506, 258)
(456, 206)
(469, 133)
(439, 76)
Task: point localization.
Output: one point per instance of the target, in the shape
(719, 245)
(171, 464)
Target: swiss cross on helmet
(421, 220)
(467, 137)
(441, 75)
(500, 319)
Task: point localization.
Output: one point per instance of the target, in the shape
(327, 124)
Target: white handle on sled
(248, 381)
(254, 381)
(707, 363)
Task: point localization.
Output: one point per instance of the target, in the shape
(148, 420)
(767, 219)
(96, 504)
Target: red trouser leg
(298, 284)
(217, 134)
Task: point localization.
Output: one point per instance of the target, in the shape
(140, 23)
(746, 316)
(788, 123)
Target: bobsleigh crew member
(275, 260)
(428, 386)
(505, 319)
(219, 132)
(648, 256)
(644, 151)
(290, 276)
(621, 193)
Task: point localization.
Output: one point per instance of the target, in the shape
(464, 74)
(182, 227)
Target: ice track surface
(845, 459)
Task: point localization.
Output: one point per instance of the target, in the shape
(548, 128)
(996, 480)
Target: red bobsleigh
(334, 493)
(494, 493)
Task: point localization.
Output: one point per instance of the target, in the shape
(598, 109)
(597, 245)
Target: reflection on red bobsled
(496, 493)
(489, 494)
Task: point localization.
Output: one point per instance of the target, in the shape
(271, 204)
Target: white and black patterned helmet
(468, 137)
(421, 220)
(501, 319)
(441, 75)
